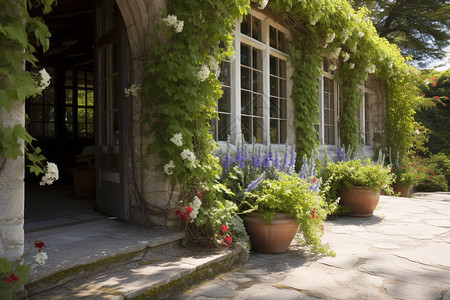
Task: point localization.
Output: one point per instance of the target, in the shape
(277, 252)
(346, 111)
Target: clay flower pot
(361, 200)
(405, 191)
(274, 238)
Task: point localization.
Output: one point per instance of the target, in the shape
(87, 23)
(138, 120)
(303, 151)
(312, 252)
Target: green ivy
(17, 30)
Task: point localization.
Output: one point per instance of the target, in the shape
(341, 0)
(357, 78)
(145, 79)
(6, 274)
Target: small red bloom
(224, 228)
(403, 167)
(391, 170)
(434, 84)
(12, 278)
(314, 180)
(419, 169)
(431, 177)
(432, 173)
(39, 244)
(428, 170)
(323, 228)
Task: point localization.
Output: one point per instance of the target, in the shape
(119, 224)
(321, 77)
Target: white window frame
(267, 51)
(321, 111)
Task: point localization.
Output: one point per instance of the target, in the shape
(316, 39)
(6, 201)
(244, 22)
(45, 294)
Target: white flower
(353, 48)
(346, 34)
(44, 80)
(177, 139)
(214, 66)
(330, 37)
(370, 69)
(172, 21)
(203, 73)
(351, 66)
(51, 174)
(345, 56)
(417, 131)
(133, 90)
(333, 67)
(360, 34)
(40, 258)
(263, 4)
(188, 155)
(179, 26)
(168, 167)
(336, 52)
(314, 19)
(195, 208)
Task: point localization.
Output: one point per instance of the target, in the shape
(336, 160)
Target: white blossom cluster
(353, 48)
(44, 80)
(188, 155)
(263, 4)
(370, 69)
(40, 258)
(351, 66)
(172, 21)
(51, 174)
(214, 66)
(203, 73)
(195, 207)
(168, 168)
(330, 37)
(346, 34)
(345, 56)
(333, 67)
(177, 139)
(314, 19)
(335, 54)
(133, 90)
(360, 34)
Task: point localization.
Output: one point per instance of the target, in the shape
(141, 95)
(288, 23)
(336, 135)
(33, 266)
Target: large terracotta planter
(405, 191)
(274, 238)
(361, 200)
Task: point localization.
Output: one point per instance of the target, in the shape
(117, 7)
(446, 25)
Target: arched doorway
(80, 119)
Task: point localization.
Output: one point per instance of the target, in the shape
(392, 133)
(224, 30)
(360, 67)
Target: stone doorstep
(158, 275)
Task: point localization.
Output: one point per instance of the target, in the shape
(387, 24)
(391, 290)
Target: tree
(420, 28)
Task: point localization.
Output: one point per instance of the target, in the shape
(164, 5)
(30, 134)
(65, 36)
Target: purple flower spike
(292, 161)
(255, 183)
(226, 162)
(277, 161)
(285, 161)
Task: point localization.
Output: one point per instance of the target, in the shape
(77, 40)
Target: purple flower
(243, 158)
(292, 161)
(285, 160)
(226, 162)
(277, 161)
(340, 154)
(255, 183)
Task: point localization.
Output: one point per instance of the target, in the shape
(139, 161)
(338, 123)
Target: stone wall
(152, 196)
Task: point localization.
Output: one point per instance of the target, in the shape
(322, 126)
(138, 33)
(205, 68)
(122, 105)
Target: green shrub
(435, 183)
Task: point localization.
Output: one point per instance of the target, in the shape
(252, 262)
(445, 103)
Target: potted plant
(276, 209)
(358, 183)
(404, 179)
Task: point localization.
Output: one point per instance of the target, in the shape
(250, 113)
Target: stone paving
(402, 252)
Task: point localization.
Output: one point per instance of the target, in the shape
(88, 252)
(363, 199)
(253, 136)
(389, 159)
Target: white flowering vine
(133, 90)
(168, 168)
(188, 155)
(345, 56)
(44, 80)
(203, 73)
(195, 204)
(330, 37)
(177, 139)
(361, 34)
(214, 66)
(262, 4)
(51, 174)
(172, 21)
(351, 66)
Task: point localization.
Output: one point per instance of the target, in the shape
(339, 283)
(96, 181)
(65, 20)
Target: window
(254, 105)
(79, 104)
(364, 116)
(42, 111)
(328, 108)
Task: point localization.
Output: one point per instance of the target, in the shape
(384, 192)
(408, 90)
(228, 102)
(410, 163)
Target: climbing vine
(20, 33)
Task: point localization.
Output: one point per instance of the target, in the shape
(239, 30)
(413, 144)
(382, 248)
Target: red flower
(12, 278)
(431, 177)
(428, 170)
(224, 228)
(323, 228)
(391, 170)
(228, 239)
(201, 194)
(434, 84)
(39, 244)
(419, 169)
(432, 173)
(403, 167)
(314, 180)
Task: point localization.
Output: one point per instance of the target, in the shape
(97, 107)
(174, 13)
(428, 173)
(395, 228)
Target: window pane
(283, 88)
(283, 132)
(257, 105)
(245, 78)
(81, 116)
(283, 108)
(256, 28)
(246, 128)
(245, 55)
(69, 96)
(273, 107)
(257, 59)
(224, 127)
(69, 115)
(90, 116)
(69, 129)
(257, 130)
(36, 130)
(81, 79)
(49, 113)
(281, 41)
(90, 98)
(273, 86)
(274, 131)
(282, 68)
(245, 28)
(225, 73)
(245, 103)
(81, 98)
(273, 65)
(273, 37)
(49, 95)
(90, 131)
(90, 80)
(36, 113)
(224, 104)
(257, 81)
(81, 130)
(50, 130)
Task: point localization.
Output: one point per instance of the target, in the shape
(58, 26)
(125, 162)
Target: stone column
(12, 195)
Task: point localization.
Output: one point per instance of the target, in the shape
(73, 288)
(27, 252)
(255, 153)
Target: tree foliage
(419, 27)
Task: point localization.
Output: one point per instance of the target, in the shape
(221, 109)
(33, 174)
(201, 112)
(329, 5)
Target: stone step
(159, 275)
(111, 259)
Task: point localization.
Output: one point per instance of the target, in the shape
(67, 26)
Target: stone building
(98, 49)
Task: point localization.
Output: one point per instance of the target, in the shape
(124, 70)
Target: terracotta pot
(361, 200)
(274, 238)
(404, 191)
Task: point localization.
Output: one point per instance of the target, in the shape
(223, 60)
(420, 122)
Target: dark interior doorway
(63, 120)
